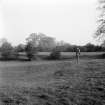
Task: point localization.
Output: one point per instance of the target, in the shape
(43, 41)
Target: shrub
(30, 51)
(6, 51)
(55, 54)
(20, 48)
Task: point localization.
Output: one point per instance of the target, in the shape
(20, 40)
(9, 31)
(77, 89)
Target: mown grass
(53, 83)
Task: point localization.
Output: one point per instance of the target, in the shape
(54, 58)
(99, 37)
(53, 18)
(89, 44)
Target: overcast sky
(73, 21)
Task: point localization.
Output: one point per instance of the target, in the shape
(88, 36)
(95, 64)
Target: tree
(55, 54)
(20, 48)
(103, 44)
(46, 42)
(6, 50)
(2, 40)
(32, 44)
(41, 41)
(30, 51)
(90, 47)
(100, 32)
(34, 39)
(63, 46)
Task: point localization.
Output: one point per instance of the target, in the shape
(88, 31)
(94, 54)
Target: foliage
(86, 48)
(42, 41)
(30, 50)
(46, 43)
(55, 54)
(100, 32)
(2, 40)
(33, 39)
(39, 42)
(20, 48)
(6, 50)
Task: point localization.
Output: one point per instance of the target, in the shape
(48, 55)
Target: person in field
(77, 54)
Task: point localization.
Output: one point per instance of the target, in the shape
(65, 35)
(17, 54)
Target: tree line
(42, 43)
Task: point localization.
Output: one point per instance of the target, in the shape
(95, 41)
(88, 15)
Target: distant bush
(6, 51)
(20, 48)
(55, 54)
(30, 51)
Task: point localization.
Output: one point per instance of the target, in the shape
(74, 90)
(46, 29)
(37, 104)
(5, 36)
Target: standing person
(77, 54)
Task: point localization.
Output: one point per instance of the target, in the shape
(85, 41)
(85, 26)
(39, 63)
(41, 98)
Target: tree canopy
(100, 32)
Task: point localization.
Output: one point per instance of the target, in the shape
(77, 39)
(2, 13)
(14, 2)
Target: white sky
(73, 21)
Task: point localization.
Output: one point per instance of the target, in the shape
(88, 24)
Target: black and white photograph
(52, 52)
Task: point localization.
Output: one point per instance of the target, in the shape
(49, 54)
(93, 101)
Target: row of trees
(40, 42)
(86, 48)
(34, 43)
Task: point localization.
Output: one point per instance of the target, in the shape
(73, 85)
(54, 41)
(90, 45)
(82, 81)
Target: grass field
(71, 55)
(66, 55)
(53, 82)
